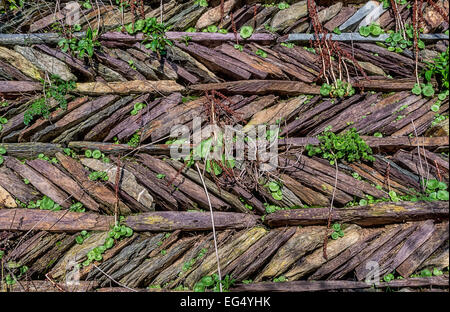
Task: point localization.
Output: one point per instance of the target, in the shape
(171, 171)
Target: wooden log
(377, 214)
(71, 61)
(308, 286)
(316, 259)
(390, 143)
(41, 123)
(249, 262)
(151, 267)
(31, 150)
(116, 149)
(366, 237)
(189, 221)
(119, 66)
(47, 286)
(211, 186)
(300, 286)
(19, 86)
(387, 234)
(228, 252)
(191, 189)
(76, 116)
(64, 181)
(11, 183)
(259, 87)
(385, 85)
(100, 131)
(302, 242)
(38, 181)
(129, 87)
(97, 190)
(126, 260)
(127, 182)
(45, 263)
(412, 263)
(218, 62)
(383, 253)
(89, 123)
(413, 242)
(52, 221)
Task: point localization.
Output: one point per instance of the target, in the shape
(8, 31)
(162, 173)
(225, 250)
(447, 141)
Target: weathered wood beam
(300, 286)
(355, 37)
(374, 142)
(116, 149)
(189, 221)
(53, 38)
(32, 149)
(65, 221)
(19, 86)
(53, 221)
(128, 87)
(47, 286)
(260, 87)
(382, 213)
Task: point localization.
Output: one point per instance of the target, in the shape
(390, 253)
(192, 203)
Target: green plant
(339, 89)
(202, 3)
(87, 4)
(239, 47)
(275, 189)
(154, 34)
(389, 277)
(212, 28)
(438, 118)
(372, 29)
(137, 107)
(289, 45)
(437, 69)
(186, 40)
(45, 203)
(246, 32)
(397, 41)
(116, 233)
(2, 152)
(280, 279)
(261, 53)
(337, 31)
(79, 239)
(213, 282)
(11, 5)
(348, 146)
(202, 151)
(77, 207)
(337, 231)
(81, 47)
(160, 176)
(96, 175)
(3, 121)
(56, 89)
(437, 190)
(135, 140)
(283, 5)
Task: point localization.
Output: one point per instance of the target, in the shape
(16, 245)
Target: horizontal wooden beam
(65, 221)
(377, 214)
